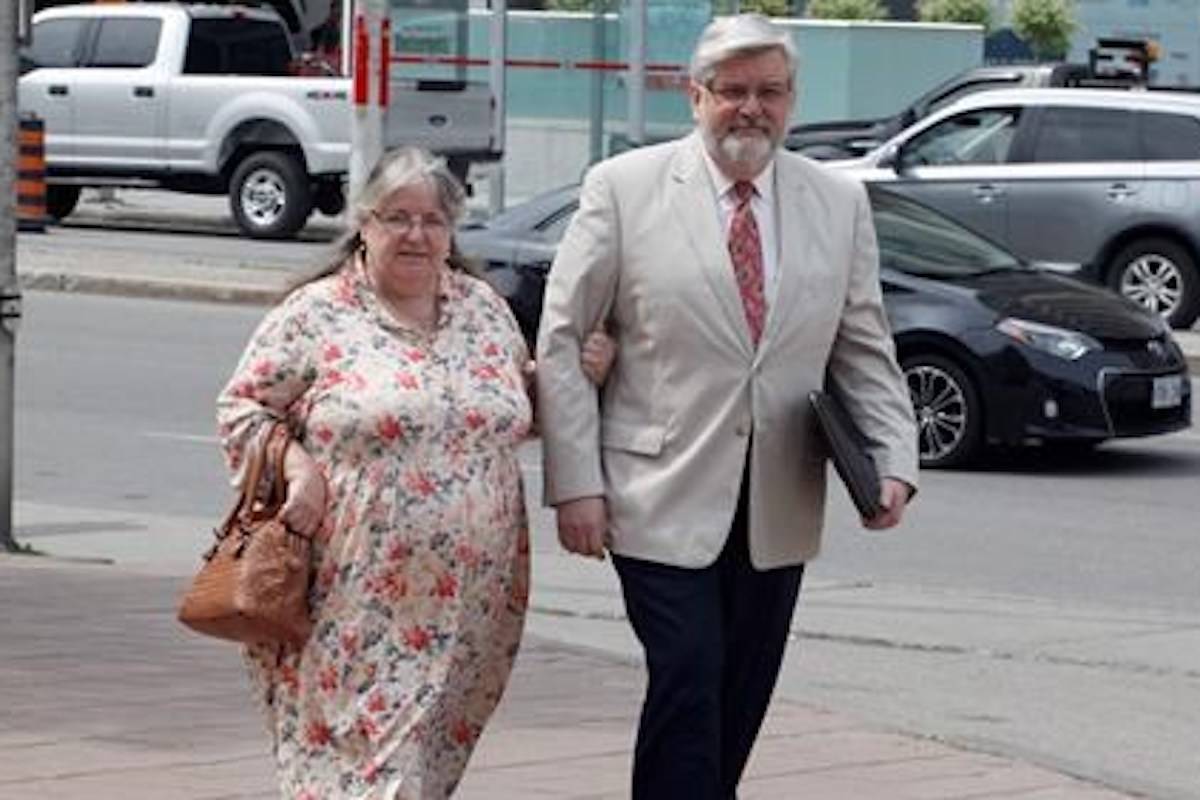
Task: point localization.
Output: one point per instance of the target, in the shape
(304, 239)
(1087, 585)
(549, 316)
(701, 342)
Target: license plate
(1167, 391)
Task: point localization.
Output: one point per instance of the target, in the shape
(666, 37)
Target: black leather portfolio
(848, 449)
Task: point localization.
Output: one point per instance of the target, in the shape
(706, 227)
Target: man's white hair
(744, 34)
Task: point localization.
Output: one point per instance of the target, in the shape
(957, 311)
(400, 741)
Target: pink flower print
(289, 678)
(318, 734)
(475, 420)
(391, 586)
(463, 732)
(331, 379)
(370, 773)
(487, 372)
(407, 381)
(389, 429)
(446, 586)
(324, 434)
(414, 355)
(467, 554)
(332, 352)
(356, 382)
(326, 575)
(376, 703)
(349, 642)
(366, 727)
(491, 350)
(327, 679)
(242, 390)
(417, 638)
(308, 794)
(399, 552)
(420, 483)
(263, 368)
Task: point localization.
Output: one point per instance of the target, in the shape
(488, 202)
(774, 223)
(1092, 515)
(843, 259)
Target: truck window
(126, 43)
(55, 43)
(237, 46)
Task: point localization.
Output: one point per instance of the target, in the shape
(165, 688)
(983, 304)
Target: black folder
(848, 450)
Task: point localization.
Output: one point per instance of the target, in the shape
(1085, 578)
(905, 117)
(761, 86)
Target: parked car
(1103, 184)
(839, 139)
(994, 351)
(201, 98)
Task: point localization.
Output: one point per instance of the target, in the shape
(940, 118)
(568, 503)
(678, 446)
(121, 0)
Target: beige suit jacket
(666, 440)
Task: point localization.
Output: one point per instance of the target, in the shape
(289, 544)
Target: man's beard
(749, 152)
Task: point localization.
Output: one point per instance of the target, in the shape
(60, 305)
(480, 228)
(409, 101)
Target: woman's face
(408, 240)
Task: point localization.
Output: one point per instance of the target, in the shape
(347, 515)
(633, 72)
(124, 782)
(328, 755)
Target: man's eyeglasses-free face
(402, 223)
(735, 94)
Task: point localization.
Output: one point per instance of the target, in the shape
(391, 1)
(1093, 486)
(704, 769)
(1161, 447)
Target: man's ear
(694, 92)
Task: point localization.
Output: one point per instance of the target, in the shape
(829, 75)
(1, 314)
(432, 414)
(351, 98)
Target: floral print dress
(421, 567)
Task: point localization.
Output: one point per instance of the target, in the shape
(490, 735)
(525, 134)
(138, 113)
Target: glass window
(920, 241)
(1170, 137)
(125, 43)
(959, 92)
(1086, 134)
(55, 43)
(976, 137)
(237, 46)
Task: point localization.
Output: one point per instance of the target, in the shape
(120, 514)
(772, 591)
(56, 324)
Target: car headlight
(1060, 342)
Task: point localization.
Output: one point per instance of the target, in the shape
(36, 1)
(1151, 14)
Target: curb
(146, 287)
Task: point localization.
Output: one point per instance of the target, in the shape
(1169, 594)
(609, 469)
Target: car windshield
(920, 241)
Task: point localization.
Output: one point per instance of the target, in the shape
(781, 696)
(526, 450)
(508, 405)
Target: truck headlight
(1060, 342)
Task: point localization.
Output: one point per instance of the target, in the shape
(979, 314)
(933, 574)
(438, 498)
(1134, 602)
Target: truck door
(119, 102)
(47, 77)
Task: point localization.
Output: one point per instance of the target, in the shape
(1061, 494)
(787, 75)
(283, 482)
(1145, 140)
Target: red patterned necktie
(745, 250)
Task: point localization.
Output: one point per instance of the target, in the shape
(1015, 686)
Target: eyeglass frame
(742, 94)
(402, 222)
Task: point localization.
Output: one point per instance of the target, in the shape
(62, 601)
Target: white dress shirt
(765, 216)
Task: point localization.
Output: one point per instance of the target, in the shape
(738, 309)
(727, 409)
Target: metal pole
(499, 85)
(636, 77)
(596, 118)
(10, 295)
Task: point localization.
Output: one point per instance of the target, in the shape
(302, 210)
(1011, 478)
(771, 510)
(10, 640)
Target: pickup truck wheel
(61, 201)
(1160, 276)
(270, 196)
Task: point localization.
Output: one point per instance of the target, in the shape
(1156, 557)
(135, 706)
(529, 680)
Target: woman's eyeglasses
(402, 223)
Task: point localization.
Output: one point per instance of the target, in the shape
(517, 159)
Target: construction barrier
(31, 175)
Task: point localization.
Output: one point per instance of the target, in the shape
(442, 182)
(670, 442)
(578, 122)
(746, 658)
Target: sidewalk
(197, 281)
(105, 696)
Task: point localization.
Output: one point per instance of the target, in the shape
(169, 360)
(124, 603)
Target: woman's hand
(304, 508)
(597, 356)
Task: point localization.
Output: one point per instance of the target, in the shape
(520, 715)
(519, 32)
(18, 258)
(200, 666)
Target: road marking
(181, 437)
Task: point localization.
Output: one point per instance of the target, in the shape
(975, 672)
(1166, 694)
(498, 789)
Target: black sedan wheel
(947, 409)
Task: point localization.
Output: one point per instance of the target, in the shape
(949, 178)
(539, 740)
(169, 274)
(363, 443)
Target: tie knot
(743, 191)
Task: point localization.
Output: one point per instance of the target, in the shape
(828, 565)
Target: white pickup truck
(200, 98)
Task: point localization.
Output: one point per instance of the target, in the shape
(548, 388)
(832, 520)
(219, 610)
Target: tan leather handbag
(253, 585)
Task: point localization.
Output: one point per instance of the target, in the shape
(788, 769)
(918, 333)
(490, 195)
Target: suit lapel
(693, 203)
(794, 229)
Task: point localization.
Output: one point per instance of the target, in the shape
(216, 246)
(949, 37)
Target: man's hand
(893, 494)
(583, 525)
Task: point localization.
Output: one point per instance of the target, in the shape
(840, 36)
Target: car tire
(61, 201)
(330, 199)
(270, 196)
(1160, 276)
(948, 411)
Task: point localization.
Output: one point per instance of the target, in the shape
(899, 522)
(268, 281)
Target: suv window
(125, 43)
(1169, 137)
(983, 136)
(1086, 134)
(55, 43)
(237, 46)
(959, 92)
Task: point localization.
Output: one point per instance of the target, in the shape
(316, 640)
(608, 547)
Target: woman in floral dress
(403, 380)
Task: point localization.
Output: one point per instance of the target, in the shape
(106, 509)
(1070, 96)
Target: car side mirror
(890, 158)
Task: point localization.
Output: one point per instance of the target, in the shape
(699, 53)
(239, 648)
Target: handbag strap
(261, 452)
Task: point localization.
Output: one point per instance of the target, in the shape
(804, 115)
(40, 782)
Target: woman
(403, 380)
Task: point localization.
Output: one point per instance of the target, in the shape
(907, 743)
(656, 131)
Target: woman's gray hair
(744, 34)
(397, 169)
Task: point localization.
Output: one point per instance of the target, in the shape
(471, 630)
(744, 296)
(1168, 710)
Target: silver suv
(1105, 184)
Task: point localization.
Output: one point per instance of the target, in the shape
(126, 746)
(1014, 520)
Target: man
(732, 276)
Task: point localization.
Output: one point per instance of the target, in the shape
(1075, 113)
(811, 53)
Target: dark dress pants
(714, 640)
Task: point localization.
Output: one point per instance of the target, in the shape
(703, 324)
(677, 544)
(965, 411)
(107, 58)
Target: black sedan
(995, 352)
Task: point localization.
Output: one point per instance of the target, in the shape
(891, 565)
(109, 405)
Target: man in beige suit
(733, 276)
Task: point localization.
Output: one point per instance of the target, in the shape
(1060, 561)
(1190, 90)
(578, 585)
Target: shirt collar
(763, 182)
